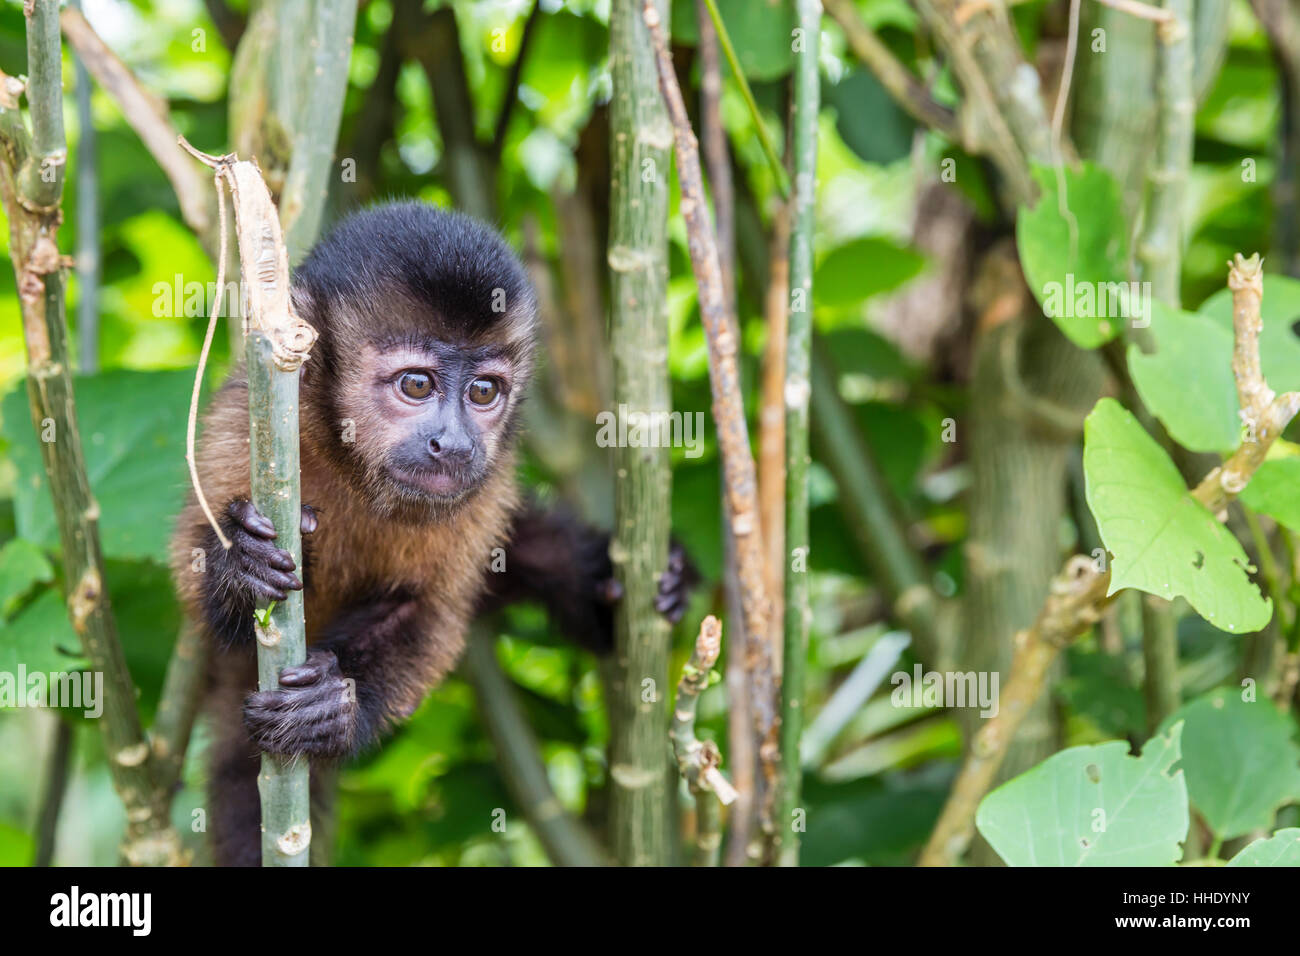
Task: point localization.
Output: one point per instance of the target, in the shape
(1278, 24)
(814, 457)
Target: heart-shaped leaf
(1281, 849)
(1163, 540)
(1187, 382)
(1274, 490)
(1240, 760)
(1092, 806)
(1075, 263)
(1279, 346)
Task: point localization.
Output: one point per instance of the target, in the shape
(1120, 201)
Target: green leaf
(39, 638)
(1240, 760)
(1070, 274)
(1163, 540)
(1187, 382)
(760, 30)
(868, 118)
(133, 433)
(1274, 490)
(16, 846)
(1281, 849)
(862, 268)
(1279, 346)
(1092, 806)
(22, 565)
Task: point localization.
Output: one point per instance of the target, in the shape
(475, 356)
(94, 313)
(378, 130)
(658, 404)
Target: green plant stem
(872, 514)
(1266, 650)
(698, 760)
(1159, 255)
(31, 202)
(798, 377)
(1009, 122)
(57, 765)
(764, 139)
(740, 475)
(325, 77)
(638, 263)
(87, 225)
(273, 446)
(178, 705)
(566, 841)
(905, 88)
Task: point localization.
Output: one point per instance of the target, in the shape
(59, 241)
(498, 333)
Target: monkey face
(430, 421)
(426, 323)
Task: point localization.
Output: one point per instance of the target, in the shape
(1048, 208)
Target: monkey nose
(447, 448)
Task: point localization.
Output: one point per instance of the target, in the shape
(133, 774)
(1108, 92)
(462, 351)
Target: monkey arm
(562, 563)
(554, 558)
(371, 668)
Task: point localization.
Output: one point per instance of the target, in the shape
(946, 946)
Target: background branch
(638, 271)
(31, 182)
(729, 417)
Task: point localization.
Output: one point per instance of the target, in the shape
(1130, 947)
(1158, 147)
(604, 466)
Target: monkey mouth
(436, 484)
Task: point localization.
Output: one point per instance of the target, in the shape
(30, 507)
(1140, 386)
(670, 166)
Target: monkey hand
(257, 565)
(313, 712)
(676, 583)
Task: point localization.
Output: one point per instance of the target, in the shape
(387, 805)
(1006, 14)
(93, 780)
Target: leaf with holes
(1092, 806)
(1279, 345)
(1074, 263)
(1281, 849)
(1163, 540)
(1187, 382)
(1240, 759)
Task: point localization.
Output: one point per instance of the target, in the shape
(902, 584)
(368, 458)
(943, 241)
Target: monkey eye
(483, 391)
(416, 385)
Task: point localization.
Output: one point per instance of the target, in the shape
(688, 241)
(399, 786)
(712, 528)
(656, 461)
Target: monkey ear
(303, 303)
(305, 307)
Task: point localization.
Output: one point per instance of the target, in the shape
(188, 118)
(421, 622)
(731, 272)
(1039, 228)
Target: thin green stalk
(31, 184)
(178, 705)
(729, 51)
(1159, 255)
(638, 249)
(697, 760)
(282, 642)
(798, 375)
(566, 841)
(733, 432)
(87, 225)
(302, 202)
(57, 766)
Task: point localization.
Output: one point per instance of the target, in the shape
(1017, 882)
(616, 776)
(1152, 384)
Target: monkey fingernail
(309, 521)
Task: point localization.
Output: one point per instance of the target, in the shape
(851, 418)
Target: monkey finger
(261, 589)
(279, 580)
(671, 606)
(310, 519)
(319, 665)
(257, 553)
(251, 520)
(610, 591)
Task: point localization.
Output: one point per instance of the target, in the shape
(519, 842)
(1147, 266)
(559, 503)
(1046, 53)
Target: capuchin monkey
(409, 412)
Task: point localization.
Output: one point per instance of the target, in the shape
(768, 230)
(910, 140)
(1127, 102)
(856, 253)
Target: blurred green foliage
(431, 795)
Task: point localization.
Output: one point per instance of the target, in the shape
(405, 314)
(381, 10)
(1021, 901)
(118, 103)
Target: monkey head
(426, 323)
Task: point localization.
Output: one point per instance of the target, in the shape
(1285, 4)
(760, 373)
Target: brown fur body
(394, 566)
